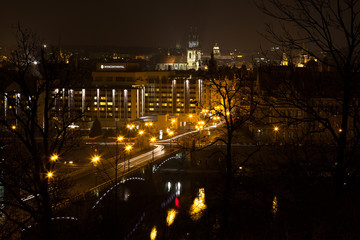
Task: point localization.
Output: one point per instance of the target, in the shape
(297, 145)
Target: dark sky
(154, 23)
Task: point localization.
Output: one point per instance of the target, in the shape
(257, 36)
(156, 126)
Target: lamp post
(153, 139)
(276, 130)
(170, 134)
(119, 139)
(130, 127)
(128, 149)
(141, 132)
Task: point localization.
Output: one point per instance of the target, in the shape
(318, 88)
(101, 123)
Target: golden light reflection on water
(171, 216)
(153, 233)
(275, 205)
(198, 206)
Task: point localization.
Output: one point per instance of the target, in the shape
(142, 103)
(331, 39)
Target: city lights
(120, 138)
(95, 159)
(54, 157)
(128, 148)
(49, 174)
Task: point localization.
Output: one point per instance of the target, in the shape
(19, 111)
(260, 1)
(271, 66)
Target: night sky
(156, 23)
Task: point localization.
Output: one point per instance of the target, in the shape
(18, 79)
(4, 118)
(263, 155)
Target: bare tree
(37, 123)
(328, 30)
(232, 104)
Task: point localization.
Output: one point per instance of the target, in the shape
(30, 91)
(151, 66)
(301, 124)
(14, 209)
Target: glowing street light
(49, 174)
(13, 127)
(120, 138)
(54, 157)
(128, 148)
(153, 139)
(141, 132)
(276, 129)
(148, 124)
(170, 134)
(95, 159)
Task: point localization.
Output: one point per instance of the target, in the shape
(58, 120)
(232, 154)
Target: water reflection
(198, 206)
(153, 233)
(171, 216)
(275, 205)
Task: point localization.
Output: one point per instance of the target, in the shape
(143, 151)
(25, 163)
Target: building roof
(172, 59)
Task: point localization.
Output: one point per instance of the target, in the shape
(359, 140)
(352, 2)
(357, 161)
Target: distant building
(167, 63)
(193, 52)
(216, 51)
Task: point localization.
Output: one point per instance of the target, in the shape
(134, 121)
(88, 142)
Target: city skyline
(231, 24)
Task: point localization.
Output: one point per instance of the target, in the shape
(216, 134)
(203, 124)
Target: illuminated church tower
(193, 51)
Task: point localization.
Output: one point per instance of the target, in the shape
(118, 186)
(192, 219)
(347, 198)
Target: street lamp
(95, 159)
(170, 134)
(54, 157)
(128, 149)
(119, 139)
(130, 127)
(13, 127)
(153, 139)
(49, 174)
(276, 129)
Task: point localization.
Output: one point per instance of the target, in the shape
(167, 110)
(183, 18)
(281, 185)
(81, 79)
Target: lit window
(102, 103)
(129, 104)
(110, 103)
(102, 98)
(164, 104)
(151, 109)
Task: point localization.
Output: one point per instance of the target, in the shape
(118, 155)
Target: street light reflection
(198, 206)
(171, 216)
(153, 233)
